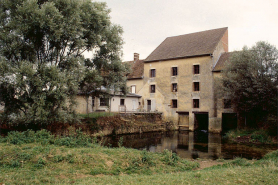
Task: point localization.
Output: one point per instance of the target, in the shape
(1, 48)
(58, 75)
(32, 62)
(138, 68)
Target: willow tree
(250, 80)
(42, 62)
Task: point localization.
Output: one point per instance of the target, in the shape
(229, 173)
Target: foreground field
(40, 158)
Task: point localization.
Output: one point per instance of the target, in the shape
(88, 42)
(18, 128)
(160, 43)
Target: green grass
(97, 114)
(252, 135)
(41, 158)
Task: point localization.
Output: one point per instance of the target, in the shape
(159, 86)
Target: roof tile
(193, 44)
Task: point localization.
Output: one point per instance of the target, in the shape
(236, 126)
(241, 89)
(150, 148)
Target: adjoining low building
(178, 79)
(107, 102)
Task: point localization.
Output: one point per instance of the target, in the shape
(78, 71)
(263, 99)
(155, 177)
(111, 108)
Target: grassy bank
(41, 158)
(251, 136)
(37, 158)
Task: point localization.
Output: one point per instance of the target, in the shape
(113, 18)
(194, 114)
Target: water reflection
(199, 144)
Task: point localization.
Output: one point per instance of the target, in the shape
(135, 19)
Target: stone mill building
(178, 79)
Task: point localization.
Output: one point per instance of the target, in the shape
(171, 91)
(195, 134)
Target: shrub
(170, 158)
(147, 158)
(261, 136)
(77, 139)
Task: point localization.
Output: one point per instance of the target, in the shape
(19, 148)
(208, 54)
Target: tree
(42, 63)
(250, 80)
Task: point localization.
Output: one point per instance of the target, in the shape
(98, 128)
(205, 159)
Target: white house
(116, 103)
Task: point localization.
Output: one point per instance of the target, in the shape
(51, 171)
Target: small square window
(196, 86)
(174, 87)
(174, 71)
(227, 104)
(104, 101)
(122, 102)
(152, 89)
(174, 103)
(196, 69)
(152, 73)
(196, 103)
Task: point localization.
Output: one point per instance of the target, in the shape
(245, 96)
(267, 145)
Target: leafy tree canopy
(250, 80)
(42, 63)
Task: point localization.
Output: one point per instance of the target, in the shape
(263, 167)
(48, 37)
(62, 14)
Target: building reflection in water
(186, 144)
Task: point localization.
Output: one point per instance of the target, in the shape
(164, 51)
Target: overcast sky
(146, 23)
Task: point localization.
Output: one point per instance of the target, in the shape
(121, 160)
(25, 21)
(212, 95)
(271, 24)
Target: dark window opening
(103, 102)
(152, 73)
(93, 102)
(174, 71)
(196, 69)
(227, 104)
(122, 102)
(152, 89)
(196, 86)
(174, 103)
(174, 87)
(196, 103)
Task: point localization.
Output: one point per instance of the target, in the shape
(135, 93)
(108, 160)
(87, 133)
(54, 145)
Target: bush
(44, 137)
(170, 158)
(147, 158)
(261, 136)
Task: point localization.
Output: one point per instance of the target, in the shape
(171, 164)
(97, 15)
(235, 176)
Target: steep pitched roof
(137, 69)
(223, 59)
(193, 44)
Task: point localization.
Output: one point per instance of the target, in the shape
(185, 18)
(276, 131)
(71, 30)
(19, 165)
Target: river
(190, 145)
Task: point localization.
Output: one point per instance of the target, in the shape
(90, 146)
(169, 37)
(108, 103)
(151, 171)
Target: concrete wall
(131, 103)
(81, 107)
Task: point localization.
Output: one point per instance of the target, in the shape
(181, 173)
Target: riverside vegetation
(41, 158)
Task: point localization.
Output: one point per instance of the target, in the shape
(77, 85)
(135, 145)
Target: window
(174, 71)
(152, 73)
(133, 89)
(227, 104)
(196, 69)
(196, 86)
(196, 103)
(103, 101)
(152, 89)
(174, 103)
(174, 87)
(93, 102)
(122, 102)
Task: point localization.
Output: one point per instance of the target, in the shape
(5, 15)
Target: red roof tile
(137, 69)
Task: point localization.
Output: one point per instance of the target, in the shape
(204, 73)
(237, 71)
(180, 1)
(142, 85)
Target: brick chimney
(136, 56)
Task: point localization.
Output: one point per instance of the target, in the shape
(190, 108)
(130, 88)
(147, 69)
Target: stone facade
(182, 87)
